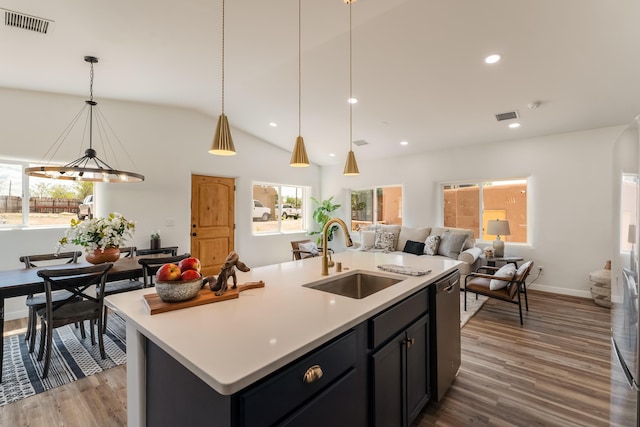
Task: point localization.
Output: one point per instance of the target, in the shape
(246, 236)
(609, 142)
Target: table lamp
(498, 228)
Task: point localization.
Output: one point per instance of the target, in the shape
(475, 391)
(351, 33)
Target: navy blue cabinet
(400, 376)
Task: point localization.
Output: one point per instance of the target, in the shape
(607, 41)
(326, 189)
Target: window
(471, 205)
(278, 209)
(33, 201)
(381, 205)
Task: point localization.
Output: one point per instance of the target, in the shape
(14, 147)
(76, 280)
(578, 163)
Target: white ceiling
(418, 67)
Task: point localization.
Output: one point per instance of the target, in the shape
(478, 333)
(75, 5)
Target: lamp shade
(222, 144)
(299, 157)
(498, 228)
(632, 233)
(351, 167)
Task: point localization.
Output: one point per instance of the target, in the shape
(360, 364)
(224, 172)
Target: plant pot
(99, 257)
(154, 243)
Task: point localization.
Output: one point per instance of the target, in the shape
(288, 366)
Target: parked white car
(260, 211)
(85, 209)
(288, 211)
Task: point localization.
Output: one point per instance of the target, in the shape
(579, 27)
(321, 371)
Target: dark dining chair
(120, 286)
(37, 301)
(151, 265)
(169, 250)
(86, 284)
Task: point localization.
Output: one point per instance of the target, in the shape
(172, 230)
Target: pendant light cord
(91, 82)
(91, 104)
(222, 57)
(299, 69)
(350, 85)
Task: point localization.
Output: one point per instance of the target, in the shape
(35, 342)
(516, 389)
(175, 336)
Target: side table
(491, 262)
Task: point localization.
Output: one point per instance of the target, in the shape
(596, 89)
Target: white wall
(569, 196)
(167, 145)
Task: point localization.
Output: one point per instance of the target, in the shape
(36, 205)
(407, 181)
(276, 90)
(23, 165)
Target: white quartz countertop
(232, 344)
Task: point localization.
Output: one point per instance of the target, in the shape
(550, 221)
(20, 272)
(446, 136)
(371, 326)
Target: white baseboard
(558, 290)
(17, 314)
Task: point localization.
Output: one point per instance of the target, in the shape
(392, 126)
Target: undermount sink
(355, 285)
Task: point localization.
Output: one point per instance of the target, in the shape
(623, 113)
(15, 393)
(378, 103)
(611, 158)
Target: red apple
(189, 275)
(189, 264)
(168, 272)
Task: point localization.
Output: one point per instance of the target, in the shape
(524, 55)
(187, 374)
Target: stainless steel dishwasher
(445, 329)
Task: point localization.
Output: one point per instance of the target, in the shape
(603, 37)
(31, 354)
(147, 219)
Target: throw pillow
(507, 270)
(416, 248)
(431, 245)
(367, 239)
(395, 230)
(451, 244)
(310, 247)
(417, 234)
(385, 241)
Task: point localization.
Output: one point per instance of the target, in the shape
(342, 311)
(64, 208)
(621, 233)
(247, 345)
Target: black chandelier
(88, 167)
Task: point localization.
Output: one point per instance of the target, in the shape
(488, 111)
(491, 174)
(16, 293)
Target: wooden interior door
(212, 221)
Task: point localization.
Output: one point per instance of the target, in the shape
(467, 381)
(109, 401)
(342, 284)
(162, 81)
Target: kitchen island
(230, 347)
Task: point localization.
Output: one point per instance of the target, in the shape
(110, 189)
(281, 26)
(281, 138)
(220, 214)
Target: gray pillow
(451, 244)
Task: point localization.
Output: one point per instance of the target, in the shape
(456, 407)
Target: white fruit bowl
(178, 290)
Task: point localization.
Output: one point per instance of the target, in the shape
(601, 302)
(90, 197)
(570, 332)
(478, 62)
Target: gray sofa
(454, 243)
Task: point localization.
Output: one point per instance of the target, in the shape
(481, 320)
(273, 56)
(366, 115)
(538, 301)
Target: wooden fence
(13, 204)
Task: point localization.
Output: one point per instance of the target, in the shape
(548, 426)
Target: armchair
(479, 283)
(301, 249)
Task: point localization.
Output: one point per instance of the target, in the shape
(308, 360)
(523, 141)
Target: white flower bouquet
(98, 233)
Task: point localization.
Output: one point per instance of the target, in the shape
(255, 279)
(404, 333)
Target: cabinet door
(338, 405)
(417, 360)
(388, 383)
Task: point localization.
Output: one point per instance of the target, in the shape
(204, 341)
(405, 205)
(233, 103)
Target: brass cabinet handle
(313, 373)
(410, 342)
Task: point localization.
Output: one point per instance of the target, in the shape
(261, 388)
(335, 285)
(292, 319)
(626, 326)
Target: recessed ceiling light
(352, 100)
(404, 143)
(492, 59)
(273, 125)
(332, 154)
(514, 125)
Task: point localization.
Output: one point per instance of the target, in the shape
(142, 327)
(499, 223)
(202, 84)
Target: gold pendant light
(351, 167)
(88, 167)
(299, 157)
(222, 142)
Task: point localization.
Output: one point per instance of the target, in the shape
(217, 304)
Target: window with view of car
(278, 209)
(380, 205)
(32, 201)
(472, 204)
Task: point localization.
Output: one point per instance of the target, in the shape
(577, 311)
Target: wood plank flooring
(553, 371)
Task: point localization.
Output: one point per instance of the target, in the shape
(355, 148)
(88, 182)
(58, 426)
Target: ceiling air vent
(360, 142)
(27, 22)
(507, 116)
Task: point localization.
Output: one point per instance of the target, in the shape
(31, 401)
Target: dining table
(25, 281)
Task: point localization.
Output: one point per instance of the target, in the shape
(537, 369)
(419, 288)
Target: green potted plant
(321, 215)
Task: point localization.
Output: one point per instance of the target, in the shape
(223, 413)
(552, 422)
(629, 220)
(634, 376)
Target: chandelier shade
(88, 167)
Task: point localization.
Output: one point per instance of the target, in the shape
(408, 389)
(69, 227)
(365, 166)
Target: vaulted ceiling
(418, 69)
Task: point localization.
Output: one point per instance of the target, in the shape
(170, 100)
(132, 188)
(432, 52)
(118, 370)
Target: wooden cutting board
(155, 305)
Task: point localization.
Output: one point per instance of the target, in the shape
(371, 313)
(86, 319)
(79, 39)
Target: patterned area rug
(473, 306)
(72, 358)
